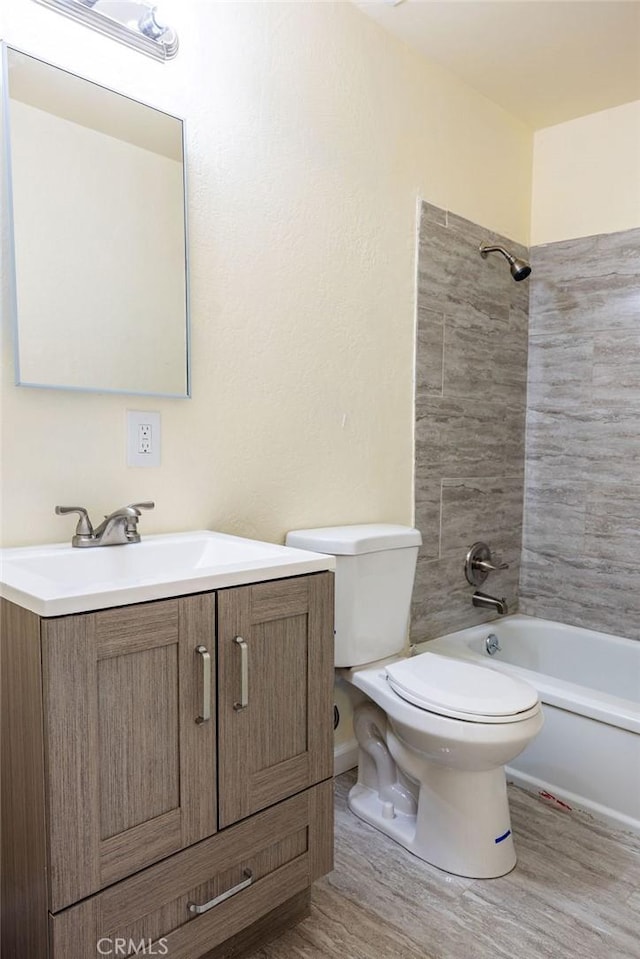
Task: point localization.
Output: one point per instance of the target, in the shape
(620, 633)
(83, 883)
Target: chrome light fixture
(132, 22)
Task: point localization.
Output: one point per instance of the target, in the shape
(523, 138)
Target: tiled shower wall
(581, 559)
(471, 372)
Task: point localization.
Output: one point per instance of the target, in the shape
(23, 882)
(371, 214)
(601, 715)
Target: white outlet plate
(143, 438)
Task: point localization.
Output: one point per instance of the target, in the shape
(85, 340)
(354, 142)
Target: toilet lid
(453, 687)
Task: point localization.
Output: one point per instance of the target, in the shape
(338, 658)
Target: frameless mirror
(97, 235)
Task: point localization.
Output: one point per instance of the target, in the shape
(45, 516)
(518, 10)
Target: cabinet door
(280, 742)
(130, 772)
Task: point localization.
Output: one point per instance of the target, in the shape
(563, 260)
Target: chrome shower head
(520, 269)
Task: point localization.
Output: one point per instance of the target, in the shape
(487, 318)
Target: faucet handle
(479, 563)
(84, 527)
(488, 567)
(132, 523)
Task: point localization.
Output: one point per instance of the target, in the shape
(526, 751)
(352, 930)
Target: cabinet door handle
(243, 702)
(197, 910)
(206, 685)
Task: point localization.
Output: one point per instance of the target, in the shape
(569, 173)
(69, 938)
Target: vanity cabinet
(170, 767)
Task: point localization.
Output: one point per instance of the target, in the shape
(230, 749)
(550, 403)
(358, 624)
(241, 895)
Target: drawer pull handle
(197, 910)
(206, 685)
(243, 702)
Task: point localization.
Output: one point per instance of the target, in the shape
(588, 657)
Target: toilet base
(436, 784)
(460, 827)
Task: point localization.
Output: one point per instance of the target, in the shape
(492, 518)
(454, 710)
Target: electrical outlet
(143, 438)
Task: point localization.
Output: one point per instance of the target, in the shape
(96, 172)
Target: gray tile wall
(471, 370)
(581, 556)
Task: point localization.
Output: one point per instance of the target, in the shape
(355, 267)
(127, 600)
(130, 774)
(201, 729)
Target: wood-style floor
(574, 894)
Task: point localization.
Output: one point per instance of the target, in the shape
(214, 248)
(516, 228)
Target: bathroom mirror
(97, 235)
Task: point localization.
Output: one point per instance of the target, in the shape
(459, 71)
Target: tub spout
(490, 602)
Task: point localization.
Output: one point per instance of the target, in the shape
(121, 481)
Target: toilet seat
(461, 690)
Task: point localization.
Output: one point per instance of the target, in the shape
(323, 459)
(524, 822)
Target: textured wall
(582, 515)
(471, 369)
(310, 132)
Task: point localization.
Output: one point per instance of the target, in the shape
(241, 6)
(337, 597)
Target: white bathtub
(588, 753)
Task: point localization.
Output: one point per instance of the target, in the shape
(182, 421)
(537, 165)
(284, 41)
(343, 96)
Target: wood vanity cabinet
(162, 756)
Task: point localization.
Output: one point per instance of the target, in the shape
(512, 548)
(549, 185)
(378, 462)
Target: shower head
(520, 269)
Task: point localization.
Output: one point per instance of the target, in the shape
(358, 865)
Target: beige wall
(586, 176)
(311, 133)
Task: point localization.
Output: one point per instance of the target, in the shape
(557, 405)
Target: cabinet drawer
(259, 863)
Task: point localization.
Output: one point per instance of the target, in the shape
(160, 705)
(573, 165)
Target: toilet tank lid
(351, 540)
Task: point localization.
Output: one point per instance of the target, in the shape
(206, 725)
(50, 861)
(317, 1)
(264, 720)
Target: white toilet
(435, 733)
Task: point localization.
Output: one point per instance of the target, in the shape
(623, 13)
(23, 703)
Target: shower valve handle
(479, 563)
(488, 567)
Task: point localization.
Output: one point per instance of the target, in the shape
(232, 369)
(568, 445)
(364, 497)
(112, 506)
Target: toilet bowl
(448, 761)
(434, 733)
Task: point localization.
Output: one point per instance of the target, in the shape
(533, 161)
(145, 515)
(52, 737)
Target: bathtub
(588, 753)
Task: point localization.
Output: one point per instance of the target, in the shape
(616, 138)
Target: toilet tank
(375, 569)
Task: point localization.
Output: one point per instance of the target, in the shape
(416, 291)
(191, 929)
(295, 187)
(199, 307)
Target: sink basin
(57, 579)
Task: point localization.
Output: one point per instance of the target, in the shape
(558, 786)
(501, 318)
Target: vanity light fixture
(132, 22)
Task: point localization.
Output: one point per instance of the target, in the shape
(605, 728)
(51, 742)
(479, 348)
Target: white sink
(59, 579)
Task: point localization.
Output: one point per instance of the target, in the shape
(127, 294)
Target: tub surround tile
(442, 600)
(598, 256)
(612, 527)
(428, 624)
(587, 284)
(582, 513)
(471, 368)
(560, 371)
(484, 358)
(634, 901)
(428, 516)
(582, 502)
(472, 232)
(430, 347)
(451, 270)
(430, 214)
(574, 892)
(599, 445)
(490, 506)
(554, 517)
(616, 380)
(615, 309)
(595, 593)
(460, 436)
(442, 595)
(476, 234)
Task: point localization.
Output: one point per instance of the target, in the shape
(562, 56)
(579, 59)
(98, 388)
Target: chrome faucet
(490, 602)
(117, 529)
